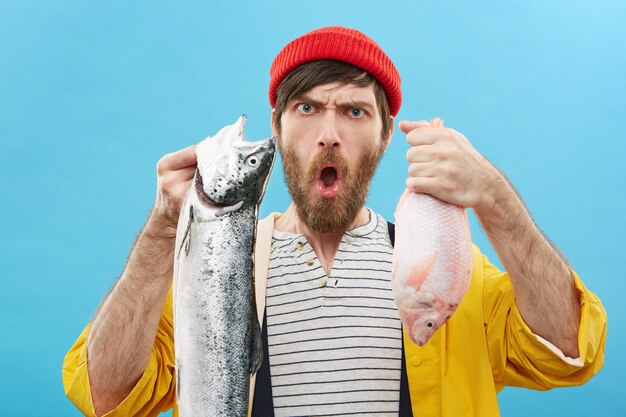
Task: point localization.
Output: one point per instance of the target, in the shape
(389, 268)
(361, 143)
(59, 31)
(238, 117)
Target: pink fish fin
(421, 271)
(436, 122)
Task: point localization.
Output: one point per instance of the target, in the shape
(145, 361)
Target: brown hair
(314, 73)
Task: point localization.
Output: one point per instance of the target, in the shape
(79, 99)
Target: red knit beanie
(341, 44)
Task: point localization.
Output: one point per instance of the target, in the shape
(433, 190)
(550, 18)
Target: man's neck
(325, 245)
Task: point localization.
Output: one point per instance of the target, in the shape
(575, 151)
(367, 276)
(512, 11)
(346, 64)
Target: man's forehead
(340, 92)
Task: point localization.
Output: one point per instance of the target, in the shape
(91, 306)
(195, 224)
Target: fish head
(423, 314)
(231, 171)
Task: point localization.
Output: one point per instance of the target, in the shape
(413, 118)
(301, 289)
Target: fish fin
(421, 271)
(436, 122)
(256, 351)
(223, 210)
(177, 371)
(186, 242)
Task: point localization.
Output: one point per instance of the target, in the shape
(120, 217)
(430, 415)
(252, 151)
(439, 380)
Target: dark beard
(329, 215)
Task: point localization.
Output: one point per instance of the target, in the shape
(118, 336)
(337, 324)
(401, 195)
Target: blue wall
(92, 94)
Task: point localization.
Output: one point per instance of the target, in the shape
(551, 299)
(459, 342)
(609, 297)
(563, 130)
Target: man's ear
(387, 139)
(272, 117)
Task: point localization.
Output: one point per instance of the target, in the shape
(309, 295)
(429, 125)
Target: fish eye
(253, 161)
(430, 324)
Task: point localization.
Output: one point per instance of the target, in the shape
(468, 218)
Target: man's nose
(329, 136)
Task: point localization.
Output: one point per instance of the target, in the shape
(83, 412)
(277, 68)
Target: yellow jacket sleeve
(518, 357)
(153, 393)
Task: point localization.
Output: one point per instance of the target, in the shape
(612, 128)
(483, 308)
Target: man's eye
(305, 108)
(357, 113)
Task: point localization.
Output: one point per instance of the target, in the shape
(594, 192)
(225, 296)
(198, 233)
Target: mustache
(323, 157)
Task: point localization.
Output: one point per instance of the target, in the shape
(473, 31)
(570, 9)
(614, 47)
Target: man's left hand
(444, 164)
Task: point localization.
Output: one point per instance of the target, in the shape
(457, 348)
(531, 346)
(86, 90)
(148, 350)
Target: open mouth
(329, 180)
(202, 195)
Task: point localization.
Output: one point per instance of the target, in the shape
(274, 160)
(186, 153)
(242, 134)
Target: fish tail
(256, 351)
(436, 122)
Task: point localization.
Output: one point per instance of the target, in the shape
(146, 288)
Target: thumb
(406, 126)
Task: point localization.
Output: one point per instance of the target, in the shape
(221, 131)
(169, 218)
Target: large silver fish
(217, 337)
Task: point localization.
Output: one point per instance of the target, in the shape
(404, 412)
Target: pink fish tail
(436, 122)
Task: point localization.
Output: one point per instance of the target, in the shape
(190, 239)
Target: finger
(183, 174)
(421, 170)
(406, 126)
(180, 159)
(178, 191)
(421, 153)
(428, 136)
(171, 180)
(424, 185)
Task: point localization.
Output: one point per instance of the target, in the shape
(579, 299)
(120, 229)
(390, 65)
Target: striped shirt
(335, 342)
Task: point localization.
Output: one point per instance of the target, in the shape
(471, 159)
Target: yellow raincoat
(485, 346)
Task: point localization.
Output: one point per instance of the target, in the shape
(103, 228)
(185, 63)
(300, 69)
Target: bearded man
(331, 331)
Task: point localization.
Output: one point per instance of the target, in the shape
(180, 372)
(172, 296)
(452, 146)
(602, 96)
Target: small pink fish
(432, 261)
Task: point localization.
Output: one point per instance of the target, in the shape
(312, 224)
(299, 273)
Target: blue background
(92, 94)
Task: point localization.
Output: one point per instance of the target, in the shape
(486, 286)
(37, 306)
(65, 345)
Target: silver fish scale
(218, 273)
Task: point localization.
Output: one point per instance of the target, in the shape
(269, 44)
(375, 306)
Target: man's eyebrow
(357, 104)
(352, 104)
(306, 98)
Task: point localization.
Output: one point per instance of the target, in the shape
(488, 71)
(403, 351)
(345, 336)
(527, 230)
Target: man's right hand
(124, 330)
(174, 174)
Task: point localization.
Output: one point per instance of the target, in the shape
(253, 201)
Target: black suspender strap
(405, 396)
(263, 405)
(263, 399)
